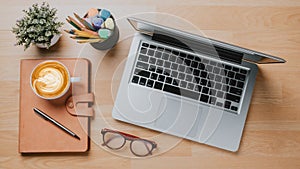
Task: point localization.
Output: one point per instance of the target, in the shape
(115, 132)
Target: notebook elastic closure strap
(75, 105)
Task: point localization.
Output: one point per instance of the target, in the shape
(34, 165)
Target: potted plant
(39, 26)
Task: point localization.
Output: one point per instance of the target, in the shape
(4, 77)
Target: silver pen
(48, 118)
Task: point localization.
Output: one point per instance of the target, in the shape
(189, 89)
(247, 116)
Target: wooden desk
(272, 133)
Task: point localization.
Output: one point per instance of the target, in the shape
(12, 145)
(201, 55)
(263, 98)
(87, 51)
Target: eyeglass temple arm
(129, 135)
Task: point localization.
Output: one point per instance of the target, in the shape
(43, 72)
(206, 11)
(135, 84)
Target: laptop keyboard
(180, 73)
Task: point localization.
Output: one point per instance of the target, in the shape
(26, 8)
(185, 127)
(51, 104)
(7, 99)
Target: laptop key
(205, 90)
(167, 72)
(181, 68)
(152, 60)
(165, 56)
(158, 54)
(194, 64)
(142, 65)
(213, 63)
(220, 94)
(190, 86)
(225, 88)
(212, 92)
(182, 92)
(201, 66)
(153, 76)
(196, 72)
(198, 88)
(219, 104)
(197, 59)
(205, 61)
(175, 82)
(212, 100)
(143, 50)
(145, 44)
(150, 52)
(152, 46)
(143, 58)
(218, 78)
(228, 67)
(190, 57)
(203, 82)
(181, 76)
(234, 108)
(188, 78)
(150, 83)
(158, 85)
(174, 66)
(236, 91)
(175, 52)
(243, 71)
(187, 62)
(152, 68)
(230, 74)
(203, 74)
(232, 82)
(169, 80)
(204, 98)
(174, 74)
(144, 73)
(227, 104)
(232, 97)
(197, 79)
(167, 64)
(216, 70)
(172, 58)
(159, 70)
(240, 77)
(161, 78)
(183, 84)
(142, 81)
(159, 62)
(218, 86)
(209, 68)
(135, 79)
(240, 84)
(235, 69)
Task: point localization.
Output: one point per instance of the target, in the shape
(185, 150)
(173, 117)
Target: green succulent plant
(38, 26)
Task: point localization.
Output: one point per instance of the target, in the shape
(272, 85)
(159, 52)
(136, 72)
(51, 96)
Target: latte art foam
(50, 79)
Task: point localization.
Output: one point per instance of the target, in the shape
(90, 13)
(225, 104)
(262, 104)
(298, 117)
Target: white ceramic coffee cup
(66, 89)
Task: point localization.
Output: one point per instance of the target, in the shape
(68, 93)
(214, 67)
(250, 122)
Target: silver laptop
(187, 85)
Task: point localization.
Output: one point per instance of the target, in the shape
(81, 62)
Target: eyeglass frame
(130, 138)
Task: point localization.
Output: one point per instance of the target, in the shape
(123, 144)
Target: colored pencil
(87, 36)
(85, 23)
(89, 41)
(73, 24)
(76, 23)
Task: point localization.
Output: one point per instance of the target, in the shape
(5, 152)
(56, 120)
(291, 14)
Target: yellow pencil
(89, 41)
(89, 31)
(85, 36)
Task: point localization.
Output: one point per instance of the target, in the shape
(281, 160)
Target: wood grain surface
(271, 137)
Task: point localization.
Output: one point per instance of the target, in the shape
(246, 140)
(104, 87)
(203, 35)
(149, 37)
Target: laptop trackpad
(178, 117)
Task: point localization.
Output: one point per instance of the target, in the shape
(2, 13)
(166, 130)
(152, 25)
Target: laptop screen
(151, 29)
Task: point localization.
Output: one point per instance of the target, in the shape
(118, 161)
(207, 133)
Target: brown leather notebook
(37, 135)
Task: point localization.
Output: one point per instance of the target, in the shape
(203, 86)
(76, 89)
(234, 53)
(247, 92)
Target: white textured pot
(54, 40)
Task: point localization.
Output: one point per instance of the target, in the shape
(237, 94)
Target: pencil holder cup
(111, 41)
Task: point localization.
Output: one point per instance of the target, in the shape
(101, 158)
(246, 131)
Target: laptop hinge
(211, 50)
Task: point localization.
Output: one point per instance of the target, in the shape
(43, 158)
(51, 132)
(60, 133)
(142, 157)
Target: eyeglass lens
(138, 147)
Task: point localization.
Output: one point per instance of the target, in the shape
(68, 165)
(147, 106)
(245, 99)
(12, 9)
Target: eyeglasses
(115, 140)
